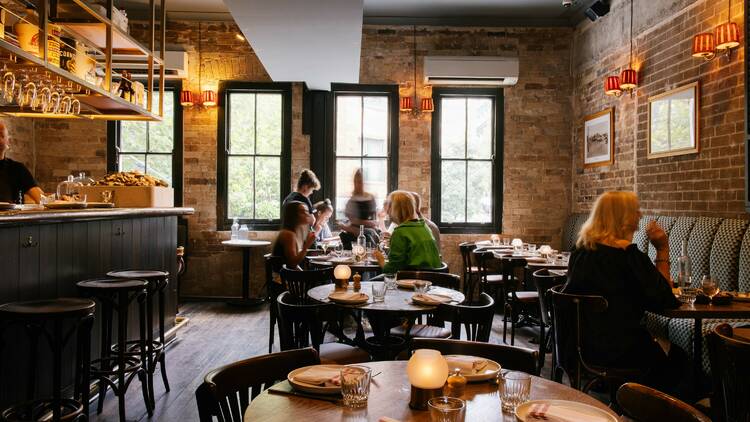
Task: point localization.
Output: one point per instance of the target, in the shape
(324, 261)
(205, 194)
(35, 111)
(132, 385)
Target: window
(153, 148)
(366, 137)
(467, 159)
(254, 151)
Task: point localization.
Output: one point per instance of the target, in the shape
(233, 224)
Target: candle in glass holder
(427, 371)
(517, 246)
(342, 273)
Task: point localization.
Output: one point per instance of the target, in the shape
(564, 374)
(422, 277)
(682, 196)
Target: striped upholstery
(666, 223)
(743, 278)
(680, 231)
(657, 325)
(699, 246)
(640, 238)
(570, 231)
(725, 253)
(681, 335)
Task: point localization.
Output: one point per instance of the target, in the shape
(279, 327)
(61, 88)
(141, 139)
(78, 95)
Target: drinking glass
(532, 248)
(355, 385)
(447, 409)
(514, 389)
(378, 291)
(709, 286)
(495, 240)
(688, 295)
(390, 281)
(506, 241)
(565, 257)
(420, 286)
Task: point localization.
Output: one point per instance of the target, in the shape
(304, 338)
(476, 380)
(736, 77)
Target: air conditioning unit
(175, 65)
(470, 70)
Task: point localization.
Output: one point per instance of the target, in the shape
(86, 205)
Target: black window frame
(495, 226)
(391, 91)
(113, 143)
(225, 88)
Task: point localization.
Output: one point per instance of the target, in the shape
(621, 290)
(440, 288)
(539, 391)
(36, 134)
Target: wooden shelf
(96, 34)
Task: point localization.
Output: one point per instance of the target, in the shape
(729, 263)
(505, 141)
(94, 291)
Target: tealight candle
(545, 250)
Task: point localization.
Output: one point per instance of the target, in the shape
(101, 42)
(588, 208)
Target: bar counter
(44, 253)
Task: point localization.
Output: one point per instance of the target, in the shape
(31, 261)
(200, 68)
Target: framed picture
(599, 139)
(673, 122)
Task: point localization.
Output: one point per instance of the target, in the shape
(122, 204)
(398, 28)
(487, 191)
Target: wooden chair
(644, 404)
(435, 327)
(544, 281)
(569, 312)
(520, 306)
(273, 266)
(449, 281)
(227, 391)
(730, 372)
(476, 319)
(470, 271)
(298, 282)
(488, 277)
(303, 325)
(509, 357)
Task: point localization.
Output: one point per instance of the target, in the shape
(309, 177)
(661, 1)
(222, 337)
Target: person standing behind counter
(15, 179)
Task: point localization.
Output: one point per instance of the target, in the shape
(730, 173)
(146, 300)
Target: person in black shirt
(606, 263)
(16, 182)
(307, 184)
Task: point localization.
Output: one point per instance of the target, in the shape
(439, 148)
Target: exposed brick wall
(707, 183)
(21, 132)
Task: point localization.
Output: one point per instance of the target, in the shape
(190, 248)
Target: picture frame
(674, 122)
(599, 139)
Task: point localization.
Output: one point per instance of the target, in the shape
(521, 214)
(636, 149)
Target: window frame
(391, 92)
(495, 226)
(113, 143)
(222, 156)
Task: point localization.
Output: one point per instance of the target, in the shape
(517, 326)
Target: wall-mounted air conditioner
(470, 70)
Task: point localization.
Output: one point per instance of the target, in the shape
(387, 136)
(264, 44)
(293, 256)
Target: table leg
(246, 300)
(382, 345)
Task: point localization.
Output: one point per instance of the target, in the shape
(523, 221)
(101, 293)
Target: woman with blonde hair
(606, 263)
(412, 245)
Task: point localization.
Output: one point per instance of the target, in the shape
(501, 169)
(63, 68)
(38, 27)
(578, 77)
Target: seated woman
(296, 234)
(323, 212)
(606, 263)
(411, 244)
(430, 225)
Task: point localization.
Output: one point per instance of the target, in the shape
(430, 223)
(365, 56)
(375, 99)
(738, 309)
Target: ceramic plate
(588, 413)
(409, 283)
(490, 371)
(309, 388)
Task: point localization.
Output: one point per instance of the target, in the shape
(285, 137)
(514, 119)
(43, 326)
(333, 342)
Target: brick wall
(707, 183)
(21, 132)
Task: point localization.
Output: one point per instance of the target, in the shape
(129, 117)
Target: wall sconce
(612, 86)
(186, 98)
(725, 38)
(208, 98)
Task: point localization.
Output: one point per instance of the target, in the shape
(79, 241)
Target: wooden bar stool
(66, 316)
(116, 295)
(156, 287)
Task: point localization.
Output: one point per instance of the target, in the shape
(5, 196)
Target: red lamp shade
(406, 104)
(208, 98)
(727, 36)
(628, 79)
(703, 45)
(612, 86)
(186, 98)
(427, 105)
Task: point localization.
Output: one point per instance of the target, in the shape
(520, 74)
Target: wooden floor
(218, 334)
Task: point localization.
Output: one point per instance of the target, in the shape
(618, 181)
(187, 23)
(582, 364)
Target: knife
(305, 395)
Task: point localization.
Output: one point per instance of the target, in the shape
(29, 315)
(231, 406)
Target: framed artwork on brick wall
(599, 139)
(673, 117)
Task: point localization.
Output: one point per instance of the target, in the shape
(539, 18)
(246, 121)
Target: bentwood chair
(644, 404)
(730, 372)
(520, 305)
(489, 277)
(475, 318)
(298, 282)
(273, 266)
(435, 327)
(509, 357)
(470, 271)
(544, 281)
(227, 391)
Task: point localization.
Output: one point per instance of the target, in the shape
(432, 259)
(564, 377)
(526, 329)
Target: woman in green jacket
(412, 245)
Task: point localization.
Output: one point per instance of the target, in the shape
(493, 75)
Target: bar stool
(116, 295)
(36, 316)
(157, 286)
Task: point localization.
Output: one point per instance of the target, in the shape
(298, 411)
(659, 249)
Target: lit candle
(342, 274)
(545, 250)
(517, 246)
(427, 371)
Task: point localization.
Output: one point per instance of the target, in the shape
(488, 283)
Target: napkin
(431, 298)
(348, 296)
(557, 413)
(322, 375)
(409, 283)
(483, 242)
(469, 365)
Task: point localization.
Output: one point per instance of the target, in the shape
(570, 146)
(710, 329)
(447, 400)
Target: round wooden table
(389, 396)
(246, 245)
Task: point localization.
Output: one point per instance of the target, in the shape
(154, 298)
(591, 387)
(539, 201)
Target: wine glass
(709, 286)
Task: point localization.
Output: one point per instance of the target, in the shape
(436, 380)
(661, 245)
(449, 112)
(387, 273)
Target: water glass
(506, 241)
(420, 286)
(355, 385)
(390, 281)
(447, 409)
(378, 291)
(495, 240)
(688, 295)
(514, 388)
(532, 248)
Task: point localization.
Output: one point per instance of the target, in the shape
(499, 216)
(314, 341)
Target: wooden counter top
(56, 216)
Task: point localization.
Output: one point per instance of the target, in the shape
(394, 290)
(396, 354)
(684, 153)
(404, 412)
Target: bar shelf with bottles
(73, 74)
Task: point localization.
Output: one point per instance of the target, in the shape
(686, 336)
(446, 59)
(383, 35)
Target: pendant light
(208, 97)
(725, 37)
(629, 77)
(407, 103)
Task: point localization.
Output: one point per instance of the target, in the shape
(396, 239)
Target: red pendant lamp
(727, 36)
(629, 77)
(427, 106)
(703, 46)
(612, 86)
(406, 104)
(208, 98)
(186, 98)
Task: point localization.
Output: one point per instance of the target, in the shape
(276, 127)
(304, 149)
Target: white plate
(591, 413)
(490, 371)
(407, 283)
(309, 388)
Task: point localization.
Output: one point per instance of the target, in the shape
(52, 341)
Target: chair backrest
(510, 270)
(509, 357)
(300, 324)
(568, 311)
(450, 281)
(484, 260)
(545, 281)
(273, 264)
(730, 373)
(644, 404)
(466, 248)
(227, 391)
(298, 282)
(476, 318)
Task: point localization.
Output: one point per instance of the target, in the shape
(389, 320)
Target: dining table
(389, 397)
(246, 245)
(397, 304)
